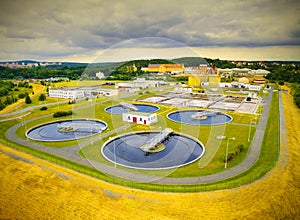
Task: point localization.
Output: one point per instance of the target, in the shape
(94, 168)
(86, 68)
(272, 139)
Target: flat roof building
(140, 117)
(165, 68)
(66, 93)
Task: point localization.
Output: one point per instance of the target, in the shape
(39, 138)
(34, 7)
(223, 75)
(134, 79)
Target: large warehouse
(165, 68)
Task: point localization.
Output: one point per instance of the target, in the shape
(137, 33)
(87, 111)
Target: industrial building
(66, 93)
(165, 68)
(197, 80)
(139, 83)
(80, 92)
(140, 117)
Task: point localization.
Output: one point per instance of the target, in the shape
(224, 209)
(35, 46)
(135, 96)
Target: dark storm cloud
(62, 27)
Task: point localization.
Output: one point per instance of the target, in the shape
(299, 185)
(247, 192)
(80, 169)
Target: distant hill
(190, 61)
(126, 71)
(144, 63)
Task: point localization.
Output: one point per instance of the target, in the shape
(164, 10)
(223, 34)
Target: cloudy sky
(108, 30)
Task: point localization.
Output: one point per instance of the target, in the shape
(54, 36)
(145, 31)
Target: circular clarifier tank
(119, 109)
(66, 130)
(199, 117)
(174, 151)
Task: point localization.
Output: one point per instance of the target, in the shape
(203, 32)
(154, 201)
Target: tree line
(126, 71)
(72, 72)
(287, 74)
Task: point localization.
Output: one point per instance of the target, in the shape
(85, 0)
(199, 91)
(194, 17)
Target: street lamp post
(226, 155)
(115, 153)
(25, 127)
(250, 125)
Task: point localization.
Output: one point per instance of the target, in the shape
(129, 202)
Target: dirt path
(31, 188)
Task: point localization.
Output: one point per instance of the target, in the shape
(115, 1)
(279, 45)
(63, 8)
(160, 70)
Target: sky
(108, 30)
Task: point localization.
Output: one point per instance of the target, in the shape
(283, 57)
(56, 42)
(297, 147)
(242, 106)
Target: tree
(84, 76)
(27, 99)
(21, 96)
(42, 97)
(2, 106)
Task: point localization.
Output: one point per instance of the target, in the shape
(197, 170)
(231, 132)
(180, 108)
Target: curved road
(71, 153)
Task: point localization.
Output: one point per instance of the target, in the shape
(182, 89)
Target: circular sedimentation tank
(66, 130)
(119, 109)
(199, 117)
(175, 151)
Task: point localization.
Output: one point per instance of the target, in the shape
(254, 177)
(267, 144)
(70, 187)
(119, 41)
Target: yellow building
(244, 80)
(165, 68)
(198, 80)
(206, 76)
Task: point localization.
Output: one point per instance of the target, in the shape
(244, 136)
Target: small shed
(140, 117)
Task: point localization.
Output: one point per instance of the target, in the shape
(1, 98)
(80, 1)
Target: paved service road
(71, 153)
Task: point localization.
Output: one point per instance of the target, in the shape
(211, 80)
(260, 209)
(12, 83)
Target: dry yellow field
(37, 89)
(34, 189)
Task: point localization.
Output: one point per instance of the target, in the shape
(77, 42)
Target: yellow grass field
(34, 189)
(37, 89)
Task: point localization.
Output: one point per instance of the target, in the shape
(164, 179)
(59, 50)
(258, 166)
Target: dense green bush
(42, 97)
(62, 113)
(43, 108)
(21, 96)
(27, 99)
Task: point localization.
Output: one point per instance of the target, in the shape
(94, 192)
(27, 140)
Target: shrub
(62, 113)
(72, 102)
(231, 155)
(42, 97)
(27, 99)
(21, 96)
(43, 108)
(241, 148)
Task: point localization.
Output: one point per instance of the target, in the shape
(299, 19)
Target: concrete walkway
(71, 153)
(31, 108)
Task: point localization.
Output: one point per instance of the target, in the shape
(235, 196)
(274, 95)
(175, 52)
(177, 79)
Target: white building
(225, 85)
(251, 87)
(260, 72)
(80, 92)
(140, 117)
(183, 90)
(140, 83)
(108, 92)
(254, 87)
(94, 91)
(100, 75)
(66, 93)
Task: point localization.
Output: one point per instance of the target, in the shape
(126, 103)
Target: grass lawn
(211, 162)
(213, 159)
